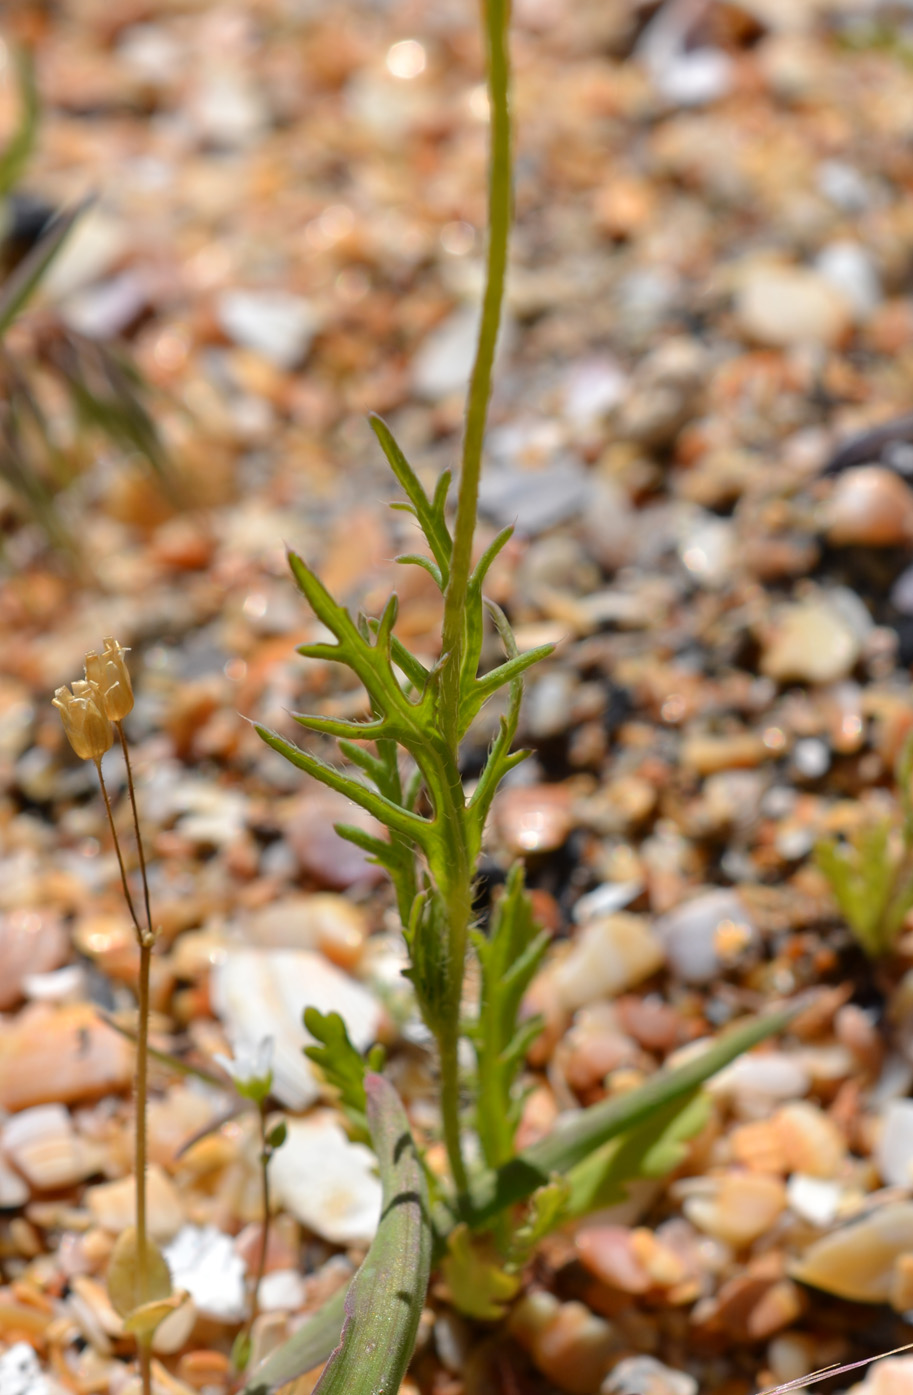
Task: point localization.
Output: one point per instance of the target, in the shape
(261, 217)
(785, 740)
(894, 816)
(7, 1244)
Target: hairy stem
(499, 211)
(144, 939)
(144, 1345)
(265, 1201)
(453, 636)
(142, 1073)
(450, 1108)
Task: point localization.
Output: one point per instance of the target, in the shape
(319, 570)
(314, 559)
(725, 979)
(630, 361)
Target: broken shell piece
(173, 1332)
(260, 993)
(31, 942)
(894, 1153)
(810, 1140)
(56, 1055)
(857, 1261)
(284, 1290)
(329, 1183)
(46, 1148)
(203, 1261)
(736, 1208)
(609, 955)
(14, 1191)
(112, 1205)
(324, 921)
(21, 1374)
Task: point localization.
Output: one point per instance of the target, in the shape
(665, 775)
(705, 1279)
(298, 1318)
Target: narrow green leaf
(402, 820)
(652, 1149)
(567, 1146)
(430, 517)
(412, 667)
(342, 727)
(508, 956)
(415, 559)
(16, 156)
(504, 673)
(22, 283)
(307, 1348)
(385, 1299)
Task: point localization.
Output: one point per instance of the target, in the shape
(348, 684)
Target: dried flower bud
(110, 678)
(87, 728)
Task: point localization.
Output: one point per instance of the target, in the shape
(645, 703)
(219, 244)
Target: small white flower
(251, 1068)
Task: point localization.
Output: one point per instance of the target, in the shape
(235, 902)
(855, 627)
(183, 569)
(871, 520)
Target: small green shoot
(509, 956)
(871, 876)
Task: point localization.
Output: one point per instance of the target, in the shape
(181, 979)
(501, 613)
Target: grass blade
(20, 286)
(567, 1146)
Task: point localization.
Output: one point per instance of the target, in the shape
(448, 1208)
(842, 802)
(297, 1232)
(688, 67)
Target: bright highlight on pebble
(406, 59)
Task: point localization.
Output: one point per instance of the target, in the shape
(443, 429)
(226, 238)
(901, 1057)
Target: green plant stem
(450, 1108)
(265, 1201)
(458, 899)
(499, 210)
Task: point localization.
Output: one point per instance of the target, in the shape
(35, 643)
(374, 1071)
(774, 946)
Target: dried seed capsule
(109, 676)
(88, 729)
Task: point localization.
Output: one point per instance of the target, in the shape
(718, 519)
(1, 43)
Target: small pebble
(894, 1152)
(737, 1208)
(644, 1375)
(857, 1260)
(870, 507)
(781, 306)
(608, 956)
(112, 1205)
(276, 324)
(810, 641)
(46, 1148)
(695, 935)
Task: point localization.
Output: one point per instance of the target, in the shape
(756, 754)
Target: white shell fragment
(857, 1261)
(815, 1199)
(701, 935)
(204, 1262)
(20, 1373)
(609, 955)
(283, 1290)
(328, 1183)
(112, 1204)
(894, 1154)
(260, 993)
(46, 1148)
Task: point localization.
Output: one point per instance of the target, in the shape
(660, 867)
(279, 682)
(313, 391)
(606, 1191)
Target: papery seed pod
(88, 729)
(110, 677)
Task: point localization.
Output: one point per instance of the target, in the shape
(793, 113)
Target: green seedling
(403, 767)
(871, 876)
